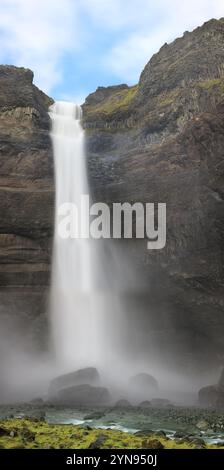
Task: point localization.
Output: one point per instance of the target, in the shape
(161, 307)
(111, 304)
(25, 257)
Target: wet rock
(208, 395)
(180, 434)
(160, 433)
(200, 443)
(94, 415)
(123, 403)
(220, 444)
(97, 444)
(84, 395)
(28, 435)
(212, 395)
(202, 425)
(145, 404)
(88, 375)
(3, 432)
(152, 444)
(143, 385)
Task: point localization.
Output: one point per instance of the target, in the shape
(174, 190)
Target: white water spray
(76, 314)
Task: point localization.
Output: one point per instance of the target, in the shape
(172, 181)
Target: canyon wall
(26, 201)
(162, 141)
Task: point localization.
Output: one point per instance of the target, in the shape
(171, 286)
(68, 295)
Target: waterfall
(76, 316)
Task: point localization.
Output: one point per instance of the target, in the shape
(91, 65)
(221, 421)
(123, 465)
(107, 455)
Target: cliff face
(163, 141)
(26, 197)
(159, 141)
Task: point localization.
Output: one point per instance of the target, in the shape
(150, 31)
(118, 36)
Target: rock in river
(84, 394)
(89, 375)
(143, 385)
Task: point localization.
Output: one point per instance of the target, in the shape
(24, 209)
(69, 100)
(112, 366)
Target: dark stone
(28, 435)
(197, 441)
(84, 395)
(97, 444)
(160, 433)
(213, 395)
(94, 415)
(89, 375)
(202, 425)
(152, 444)
(208, 396)
(145, 404)
(180, 434)
(143, 384)
(4, 432)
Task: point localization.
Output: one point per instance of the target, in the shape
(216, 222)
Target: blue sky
(73, 46)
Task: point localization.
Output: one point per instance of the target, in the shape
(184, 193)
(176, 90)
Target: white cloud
(35, 34)
(172, 17)
(117, 14)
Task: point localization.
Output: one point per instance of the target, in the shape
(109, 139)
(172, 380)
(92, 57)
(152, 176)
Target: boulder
(202, 425)
(161, 433)
(3, 432)
(123, 403)
(97, 444)
(213, 395)
(152, 444)
(84, 394)
(94, 415)
(208, 396)
(88, 375)
(198, 442)
(145, 404)
(180, 435)
(143, 385)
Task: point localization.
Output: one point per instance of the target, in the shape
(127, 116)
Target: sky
(74, 46)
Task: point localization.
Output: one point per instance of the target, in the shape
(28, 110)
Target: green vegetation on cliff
(119, 100)
(211, 83)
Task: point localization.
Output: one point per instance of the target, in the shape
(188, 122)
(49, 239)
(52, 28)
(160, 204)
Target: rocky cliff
(162, 141)
(159, 141)
(26, 198)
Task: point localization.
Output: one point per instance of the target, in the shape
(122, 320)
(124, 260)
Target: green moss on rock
(211, 83)
(118, 101)
(31, 434)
